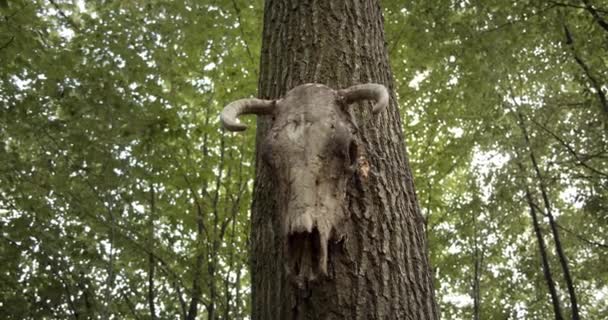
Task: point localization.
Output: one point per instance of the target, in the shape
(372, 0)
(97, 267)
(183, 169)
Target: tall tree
(381, 269)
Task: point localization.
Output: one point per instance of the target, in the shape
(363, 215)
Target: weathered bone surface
(312, 149)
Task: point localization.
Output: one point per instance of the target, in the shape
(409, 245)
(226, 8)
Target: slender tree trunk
(202, 239)
(477, 265)
(212, 261)
(151, 263)
(554, 231)
(105, 311)
(557, 310)
(197, 290)
(237, 296)
(543, 254)
(476, 287)
(381, 269)
(233, 210)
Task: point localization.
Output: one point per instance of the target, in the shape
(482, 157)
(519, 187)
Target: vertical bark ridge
(381, 269)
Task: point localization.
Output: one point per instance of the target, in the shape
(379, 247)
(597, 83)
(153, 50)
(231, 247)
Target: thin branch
(571, 5)
(197, 203)
(516, 21)
(7, 17)
(594, 82)
(66, 287)
(66, 17)
(4, 46)
(595, 15)
(570, 149)
(130, 304)
(583, 239)
(238, 17)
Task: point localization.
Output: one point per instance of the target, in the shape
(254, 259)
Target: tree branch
(238, 18)
(583, 239)
(571, 5)
(595, 15)
(570, 149)
(66, 17)
(594, 82)
(4, 46)
(516, 21)
(130, 304)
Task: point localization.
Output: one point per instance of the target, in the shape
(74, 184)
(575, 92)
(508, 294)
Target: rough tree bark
(381, 269)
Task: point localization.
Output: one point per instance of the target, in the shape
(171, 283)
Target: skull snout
(307, 256)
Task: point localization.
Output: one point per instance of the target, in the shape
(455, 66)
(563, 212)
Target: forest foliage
(122, 197)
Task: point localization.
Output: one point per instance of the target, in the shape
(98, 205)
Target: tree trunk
(542, 248)
(151, 262)
(478, 256)
(380, 270)
(549, 213)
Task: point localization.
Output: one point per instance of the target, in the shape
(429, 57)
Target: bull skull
(312, 151)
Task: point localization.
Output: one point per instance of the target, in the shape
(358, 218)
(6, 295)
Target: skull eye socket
(353, 153)
(266, 150)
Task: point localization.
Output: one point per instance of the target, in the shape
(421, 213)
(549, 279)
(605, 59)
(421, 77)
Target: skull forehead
(313, 100)
(309, 123)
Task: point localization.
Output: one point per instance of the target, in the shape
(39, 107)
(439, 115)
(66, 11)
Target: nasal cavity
(304, 252)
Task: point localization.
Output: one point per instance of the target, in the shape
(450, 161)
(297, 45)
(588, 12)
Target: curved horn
(372, 91)
(244, 106)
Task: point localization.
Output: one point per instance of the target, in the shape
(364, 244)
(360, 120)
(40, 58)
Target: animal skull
(312, 151)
